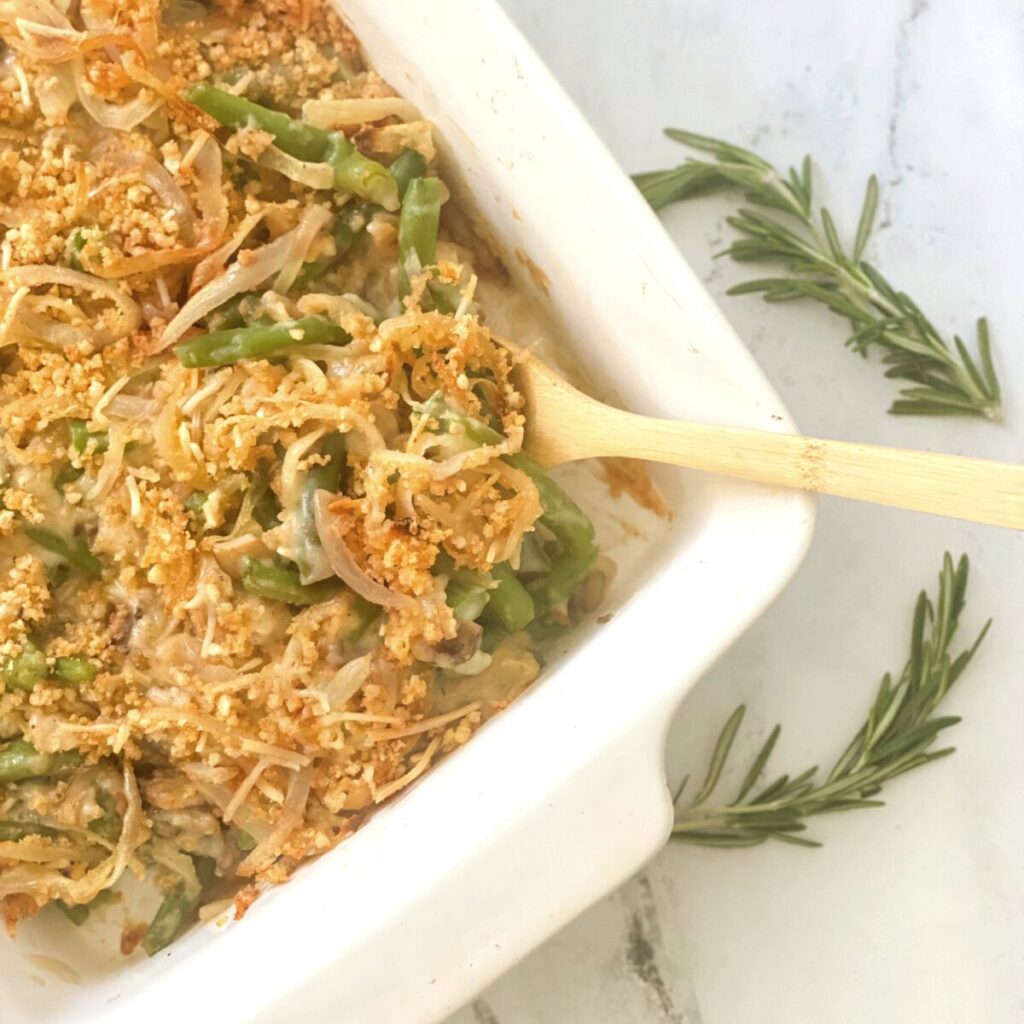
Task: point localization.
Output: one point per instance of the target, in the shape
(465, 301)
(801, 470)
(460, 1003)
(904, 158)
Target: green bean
(78, 913)
(467, 594)
(298, 139)
(353, 172)
(57, 574)
(576, 549)
(265, 579)
(206, 868)
(25, 669)
(313, 271)
(360, 175)
(67, 475)
(327, 477)
(244, 841)
(146, 374)
(80, 436)
(367, 614)
(510, 603)
(348, 226)
(178, 907)
(409, 164)
(195, 501)
(231, 313)
(445, 297)
(259, 342)
(174, 911)
(422, 221)
(266, 509)
(318, 478)
(417, 229)
(73, 249)
(74, 551)
(494, 636)
(74, 669)
(110, 823)
(533, 558)
(498, 595)
(453, 422)
(20, 760)
(11, 831)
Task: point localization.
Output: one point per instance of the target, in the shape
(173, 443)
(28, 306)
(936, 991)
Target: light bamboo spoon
(565, 425)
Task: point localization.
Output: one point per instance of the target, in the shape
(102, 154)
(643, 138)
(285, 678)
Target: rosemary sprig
(898, 735)
(782, 228)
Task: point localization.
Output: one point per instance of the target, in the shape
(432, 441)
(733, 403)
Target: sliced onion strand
(344, 565)
(241, 276)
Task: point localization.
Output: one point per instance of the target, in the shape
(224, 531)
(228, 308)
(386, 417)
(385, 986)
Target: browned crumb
(131, 936)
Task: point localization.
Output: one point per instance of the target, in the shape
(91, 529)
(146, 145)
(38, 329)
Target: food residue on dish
(630, 476)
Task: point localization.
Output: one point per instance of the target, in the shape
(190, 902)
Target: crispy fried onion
(348, 681)
(290, 817)
(212, 266)
(169, 90)
(43, 884)
(252, 268)
(37, 28)
(121, 116)
(41, 30)
(318, 176)
(10, 316)
(220, 795)
(357, 110)
(145, 262)
(113, 462)
(131, 407)
(294, 541)
(142, 15)
(154, 175)
(309, 227)
(127, 311)
(212, 205)
(56, 93)
(210, 194)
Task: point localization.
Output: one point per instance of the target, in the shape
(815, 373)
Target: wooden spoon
(564, 425)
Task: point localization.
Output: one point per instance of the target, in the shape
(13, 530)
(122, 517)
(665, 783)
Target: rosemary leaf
(896, 737)
(780, 226)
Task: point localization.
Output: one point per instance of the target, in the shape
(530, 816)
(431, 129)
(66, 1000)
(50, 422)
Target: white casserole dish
(563, 796)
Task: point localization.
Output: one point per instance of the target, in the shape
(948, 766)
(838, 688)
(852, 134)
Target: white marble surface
(915, 912)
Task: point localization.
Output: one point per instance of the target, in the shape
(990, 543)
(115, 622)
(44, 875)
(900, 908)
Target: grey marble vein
(901, 70)
(642, 949)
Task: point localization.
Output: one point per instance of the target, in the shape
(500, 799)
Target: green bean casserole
(269, 543)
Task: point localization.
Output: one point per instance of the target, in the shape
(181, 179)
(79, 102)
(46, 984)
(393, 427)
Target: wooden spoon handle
(979, 490)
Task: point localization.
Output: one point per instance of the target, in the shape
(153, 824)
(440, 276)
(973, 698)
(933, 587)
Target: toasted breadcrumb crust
(212, 699)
